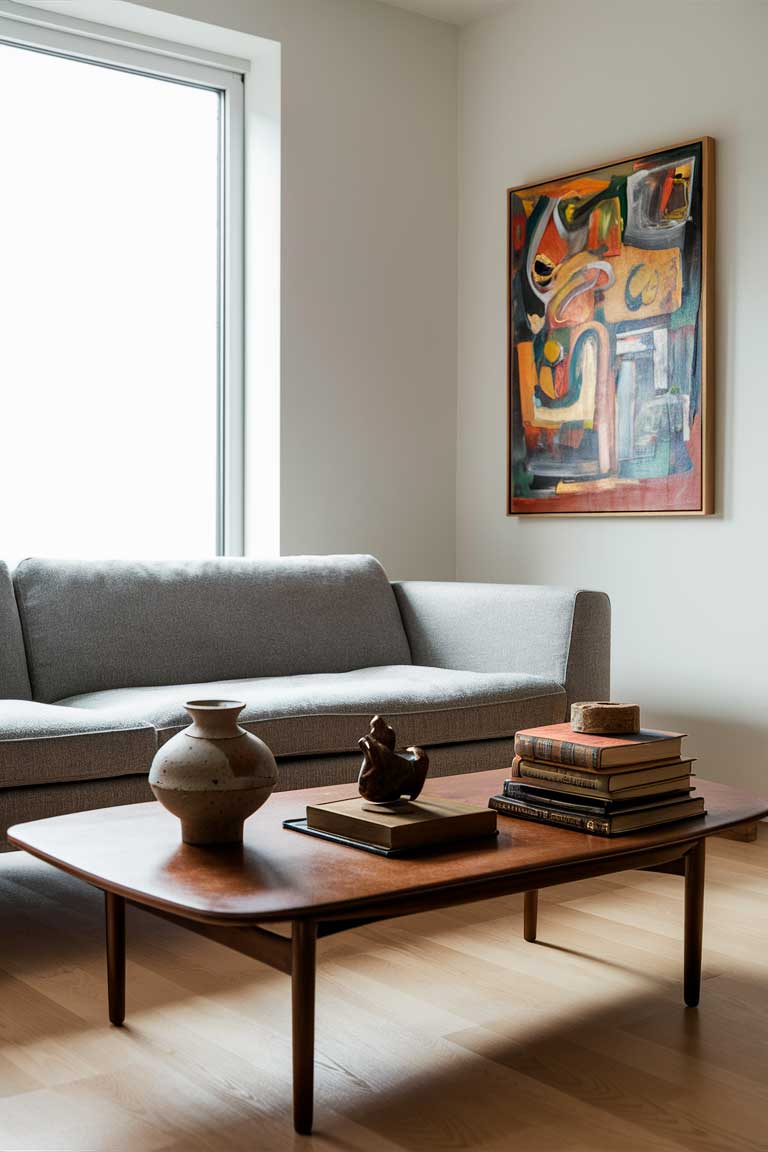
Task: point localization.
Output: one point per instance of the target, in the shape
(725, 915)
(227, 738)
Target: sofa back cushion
(93, 626)
(14, 681)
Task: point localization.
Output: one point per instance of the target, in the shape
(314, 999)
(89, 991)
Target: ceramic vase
(214, 774)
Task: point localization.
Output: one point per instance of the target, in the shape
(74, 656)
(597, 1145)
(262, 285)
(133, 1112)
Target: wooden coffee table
(134, 853)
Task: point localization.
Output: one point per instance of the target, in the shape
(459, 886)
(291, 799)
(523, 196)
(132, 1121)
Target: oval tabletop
(279, 874)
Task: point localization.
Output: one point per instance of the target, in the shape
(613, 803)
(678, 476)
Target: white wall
(368, 275)
(547, 88)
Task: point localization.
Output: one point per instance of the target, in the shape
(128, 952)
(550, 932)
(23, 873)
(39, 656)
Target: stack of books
(605, 785)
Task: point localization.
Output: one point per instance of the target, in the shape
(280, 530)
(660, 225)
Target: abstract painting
(610, 338)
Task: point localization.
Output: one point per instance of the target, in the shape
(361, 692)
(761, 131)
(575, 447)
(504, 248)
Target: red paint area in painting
(666, 190)
(561, 379)
(552, 244)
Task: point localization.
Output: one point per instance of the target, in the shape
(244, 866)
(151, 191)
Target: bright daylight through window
(110, 301)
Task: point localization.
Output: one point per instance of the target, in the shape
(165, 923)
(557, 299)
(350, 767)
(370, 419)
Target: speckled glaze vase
(214, 774)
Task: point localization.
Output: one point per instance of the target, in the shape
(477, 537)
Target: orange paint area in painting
(648, 283)
(577, 187)
(528, 377)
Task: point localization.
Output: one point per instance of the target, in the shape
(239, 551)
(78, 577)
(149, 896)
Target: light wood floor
(441, 1032)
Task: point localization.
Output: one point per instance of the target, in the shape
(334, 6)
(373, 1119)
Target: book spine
(561, 776)
(549, 816)
(557, 751)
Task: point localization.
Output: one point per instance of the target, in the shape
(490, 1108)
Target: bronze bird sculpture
(387, 776)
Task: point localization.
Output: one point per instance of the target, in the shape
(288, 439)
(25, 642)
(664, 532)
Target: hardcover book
(607, 825)
(594, 802)
(417, 824)
(559, 744)
(644, 790)
(560, 777)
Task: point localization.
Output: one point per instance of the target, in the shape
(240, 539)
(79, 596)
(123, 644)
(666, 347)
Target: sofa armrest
(560, 633)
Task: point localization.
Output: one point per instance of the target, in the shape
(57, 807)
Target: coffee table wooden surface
(135, 853)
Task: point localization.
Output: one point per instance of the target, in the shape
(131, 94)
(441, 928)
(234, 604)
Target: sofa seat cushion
(314, 715)
(50, 744)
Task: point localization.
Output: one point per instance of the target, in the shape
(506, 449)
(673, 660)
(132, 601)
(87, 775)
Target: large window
(120, 303)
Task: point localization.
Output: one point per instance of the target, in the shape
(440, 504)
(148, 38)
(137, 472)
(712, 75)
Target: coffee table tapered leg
(115, 910)
(694, 922)
(303, 949)
(530, 915)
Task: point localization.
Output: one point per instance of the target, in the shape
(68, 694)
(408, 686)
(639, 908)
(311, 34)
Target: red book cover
(559, 744)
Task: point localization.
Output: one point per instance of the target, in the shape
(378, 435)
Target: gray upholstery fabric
(444, 760)
(89, 627)
(588, 672)
(14, 681)
(318, 714)
(42, 743)
(559, 633)
(18, 805)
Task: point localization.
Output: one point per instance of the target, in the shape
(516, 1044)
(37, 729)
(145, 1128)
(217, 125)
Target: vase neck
(214, 719)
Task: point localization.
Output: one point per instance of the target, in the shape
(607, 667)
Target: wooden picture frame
(610, 338)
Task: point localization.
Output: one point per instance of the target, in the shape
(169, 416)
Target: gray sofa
(97, 659)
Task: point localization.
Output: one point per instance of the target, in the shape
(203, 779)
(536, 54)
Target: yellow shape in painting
(547, 382)
(679, 199)
(542, 270)
(553, 354)
(649, 282)
(643, 284)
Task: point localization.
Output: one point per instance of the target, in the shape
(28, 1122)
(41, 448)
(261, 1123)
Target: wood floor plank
(637, 1096)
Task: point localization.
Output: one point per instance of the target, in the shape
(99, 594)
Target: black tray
(300, 825)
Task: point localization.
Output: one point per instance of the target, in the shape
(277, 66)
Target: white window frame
(25, 27)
